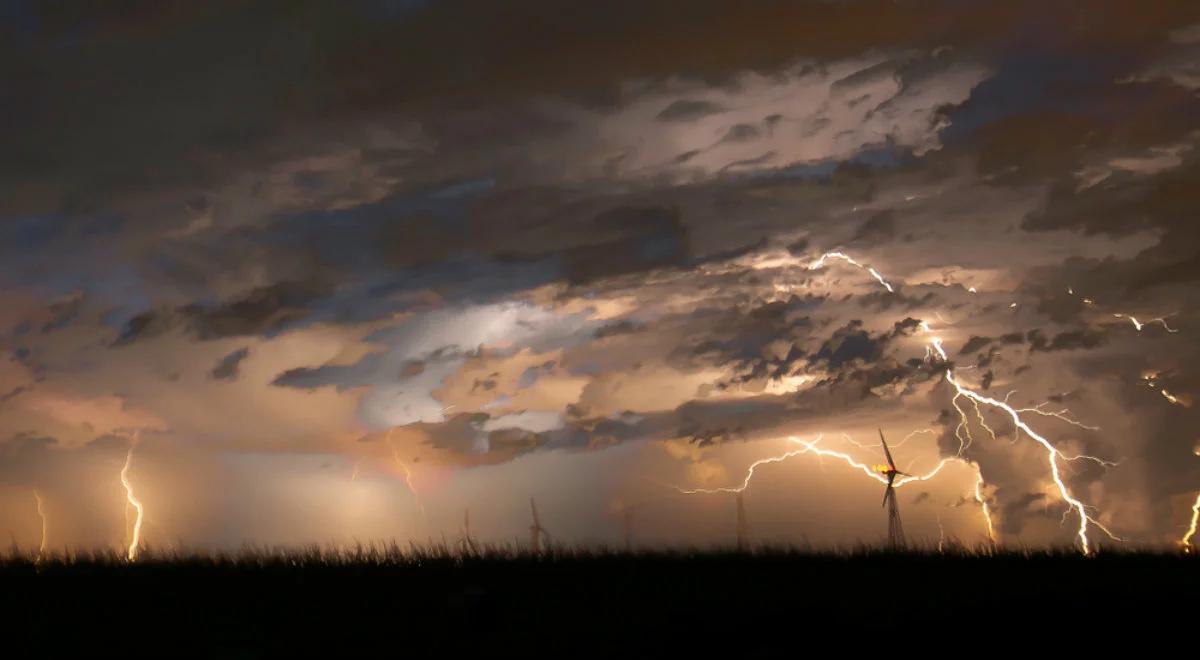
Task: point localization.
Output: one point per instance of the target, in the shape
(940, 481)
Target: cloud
(227, 367)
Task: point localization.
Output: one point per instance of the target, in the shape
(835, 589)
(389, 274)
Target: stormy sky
(339, 271)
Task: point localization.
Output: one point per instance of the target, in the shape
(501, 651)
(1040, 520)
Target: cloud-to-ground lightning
(408, 473)
(41, 509)
(136, 538)
(987, 512)
(1186, 540)
(1053, 454)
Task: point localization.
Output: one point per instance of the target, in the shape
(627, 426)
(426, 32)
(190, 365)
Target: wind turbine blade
(891, 463)
(533, 507)
(886, 494)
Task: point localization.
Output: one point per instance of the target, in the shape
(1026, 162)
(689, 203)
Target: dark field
(394, 603)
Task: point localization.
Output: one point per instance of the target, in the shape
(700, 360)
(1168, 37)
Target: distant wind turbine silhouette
(536, 532)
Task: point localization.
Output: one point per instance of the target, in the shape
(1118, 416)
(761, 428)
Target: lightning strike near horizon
(811, 447)
(1053, 454)
(1186, 540)
(983, 505)
(136, 539)
(408, 473)
(41, 509)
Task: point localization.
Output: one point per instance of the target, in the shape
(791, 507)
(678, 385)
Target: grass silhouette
(420, 600)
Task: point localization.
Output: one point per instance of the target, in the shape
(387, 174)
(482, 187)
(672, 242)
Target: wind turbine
(743, 530)
(536, 531)
(895, 528)
(627, 526)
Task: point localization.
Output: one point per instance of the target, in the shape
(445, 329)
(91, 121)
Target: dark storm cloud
(879, 228)
(260, 311)
(13, 393)
(168, 120)
(852, 343)
(974, 344)
(687, 110)
(227, 368)
(1065, 341)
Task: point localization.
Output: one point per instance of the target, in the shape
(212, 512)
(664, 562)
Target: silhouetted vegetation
(422, 600)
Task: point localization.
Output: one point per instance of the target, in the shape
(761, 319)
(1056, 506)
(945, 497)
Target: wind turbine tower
(895, 527)
(743, 530)
(536, 531)
(627, 527)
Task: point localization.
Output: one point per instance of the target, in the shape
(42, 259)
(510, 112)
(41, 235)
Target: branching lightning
(408, 473)
(812, 447)
(1061, 414)
(749, 473)
(1053, 454)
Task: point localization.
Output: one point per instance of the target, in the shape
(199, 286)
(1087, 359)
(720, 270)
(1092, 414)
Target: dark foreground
(571, 604)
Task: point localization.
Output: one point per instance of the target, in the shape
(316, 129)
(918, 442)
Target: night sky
(335, 271)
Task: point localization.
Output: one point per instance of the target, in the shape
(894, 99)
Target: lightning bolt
(132, 499)
(408, 473)
(1171, 397)
(983, 505)
(1150, 377)
(1186, 541)
(1139, 325)
(850, 260)
(1052, 453)
(812, 447)
(1061, 414)
(45, 524)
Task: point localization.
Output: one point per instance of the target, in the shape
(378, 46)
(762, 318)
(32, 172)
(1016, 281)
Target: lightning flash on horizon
(1186, 540)
(1054, 455)
(41, 510)
(136, 538)
(408, 473)
(811, 447)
